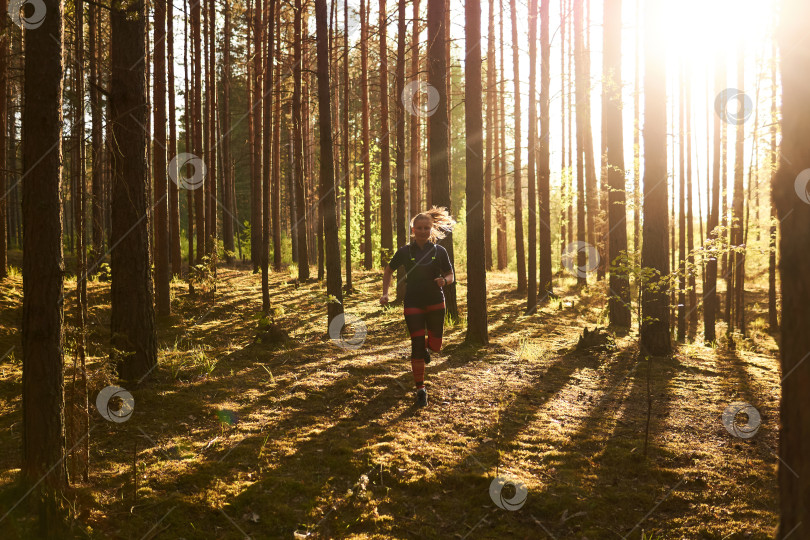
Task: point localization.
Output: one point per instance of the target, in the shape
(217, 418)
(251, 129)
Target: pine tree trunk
(43, 400)
(161, 208)
(402, 217)
(543, 162)
(531, 301)
(619, 298)
(519, 244)
(134, 343)
(327, 197)
(367, 251)
(503, 258)
(773, 319)
(347, 173)
(386, 234)
(196, 126)
(737, 256)
(300, 224)
(174, 193)
(581, 119)
(81, 258)
(214, 172)
(654, 253)
(476, 270)
(570, 116)
(794, 216)
(276, 189)
(490, 121)
(681, 211)
(691, 294)
(267, 137)
(438, 121)
(225, 141)
(584, 75)
(4, 59)
(564, 172)
(415, 202)
(189, 137)
(710, 307)
(255, 115)
(637, 139)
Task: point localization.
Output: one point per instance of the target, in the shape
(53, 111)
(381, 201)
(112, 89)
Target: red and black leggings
(425, 324)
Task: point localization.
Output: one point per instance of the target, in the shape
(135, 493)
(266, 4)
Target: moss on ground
(236, 437)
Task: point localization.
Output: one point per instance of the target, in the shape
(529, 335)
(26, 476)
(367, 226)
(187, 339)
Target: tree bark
(519, 244)
(531, 300)
(402, 218)
(300, 224)
(332, 247)
(267, 137)
(386, 234)
(710, 287)
(579, 97)
(255, 115)
(4, 96)
(736, 309)
(773, 319)
(133, 318)
(655, 338)
(367, 251)
(476, 270)
(415, 203)
(159, 167)
(543, 161)
(794, 265)
(196, 125)
(619, 298)
(276, 191)
(491, 130)
(225, 141)
(43, 400)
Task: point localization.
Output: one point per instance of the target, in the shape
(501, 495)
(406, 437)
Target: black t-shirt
(422, 267)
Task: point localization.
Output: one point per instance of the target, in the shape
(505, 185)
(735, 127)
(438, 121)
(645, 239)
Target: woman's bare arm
(387, 273)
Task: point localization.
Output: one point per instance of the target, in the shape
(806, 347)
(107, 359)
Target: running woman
(428, 271)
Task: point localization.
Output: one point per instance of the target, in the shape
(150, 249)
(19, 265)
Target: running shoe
(421, 397)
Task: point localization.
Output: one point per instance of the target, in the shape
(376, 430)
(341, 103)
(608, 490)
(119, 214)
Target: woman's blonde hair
(441, 222)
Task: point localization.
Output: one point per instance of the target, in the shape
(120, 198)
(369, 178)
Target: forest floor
(232, 437)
